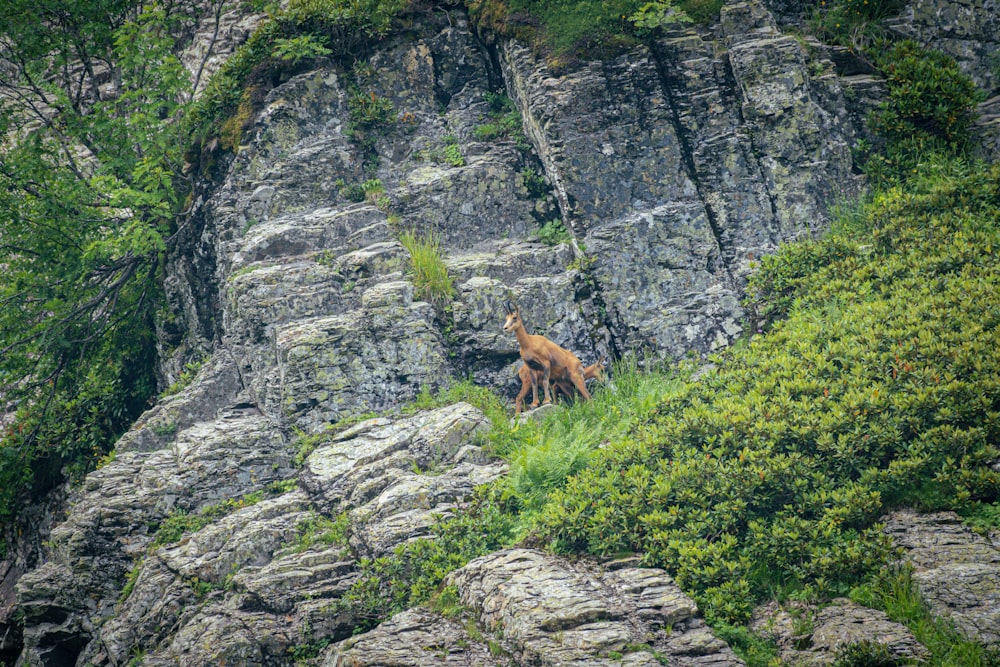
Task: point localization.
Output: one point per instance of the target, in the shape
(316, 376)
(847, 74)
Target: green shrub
(186, 377)
(880, 387)
(930, 109)
(453, 155)
(368, 110)
(553, 232)
(867, 654)
(983, 517)
(503, 120)
(369, 117)
(180, 522)
(702, 11)
(928, 94)
(653, 16)
(534, 183)
(297, 49)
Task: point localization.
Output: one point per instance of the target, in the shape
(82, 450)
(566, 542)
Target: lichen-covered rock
(374, 358)
(116, 509)
(680, 166)
(956, 570)
(416, 638)
(526, 607)
(807, 635)
(551, 612)
(802, 147)
(986, 130)
(219, 29)
(397, 477)
(967, 30)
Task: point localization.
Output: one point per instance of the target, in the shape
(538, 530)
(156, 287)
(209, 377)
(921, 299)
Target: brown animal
(592, 372)
(545, 357)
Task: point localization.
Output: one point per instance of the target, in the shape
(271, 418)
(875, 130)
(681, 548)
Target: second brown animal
(592, 372)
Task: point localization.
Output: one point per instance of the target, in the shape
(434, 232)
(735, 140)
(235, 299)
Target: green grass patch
(550, 451)
(429, 274)
(319, 530)
(752, 648)
(857, 24)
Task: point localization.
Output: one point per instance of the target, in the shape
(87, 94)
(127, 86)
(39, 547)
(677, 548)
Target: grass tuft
(427, 269)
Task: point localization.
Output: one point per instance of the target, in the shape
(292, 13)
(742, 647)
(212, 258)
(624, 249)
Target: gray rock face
(533, 608)
(417, 638)
(967, 30)
(251, 585)
(810, 636)
(217, 31)
(394, 477)
(987, 128)
(678, 167)
(956, 570)
(162, 466)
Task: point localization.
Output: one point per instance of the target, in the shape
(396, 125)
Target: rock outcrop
(955, 569)
(807, 635)
(251, 585)
(531, 608)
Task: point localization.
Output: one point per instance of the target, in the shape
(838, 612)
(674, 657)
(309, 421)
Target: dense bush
(881, 386)
(930, 109)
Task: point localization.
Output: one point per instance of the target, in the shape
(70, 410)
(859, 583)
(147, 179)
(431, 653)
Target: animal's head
(513, 318)
(596, 371)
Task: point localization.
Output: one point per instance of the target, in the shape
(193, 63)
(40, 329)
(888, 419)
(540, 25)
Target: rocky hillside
(672, 167)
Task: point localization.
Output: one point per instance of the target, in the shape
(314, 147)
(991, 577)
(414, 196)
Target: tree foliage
(91, 182)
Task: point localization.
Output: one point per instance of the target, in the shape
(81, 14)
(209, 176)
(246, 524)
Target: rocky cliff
(672, 166)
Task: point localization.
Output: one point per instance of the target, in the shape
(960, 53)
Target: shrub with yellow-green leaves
(877, 384)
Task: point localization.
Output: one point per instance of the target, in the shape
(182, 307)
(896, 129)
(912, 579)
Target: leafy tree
(91, 182)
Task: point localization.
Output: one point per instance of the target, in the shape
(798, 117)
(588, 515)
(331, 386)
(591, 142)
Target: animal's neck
(522, 335)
